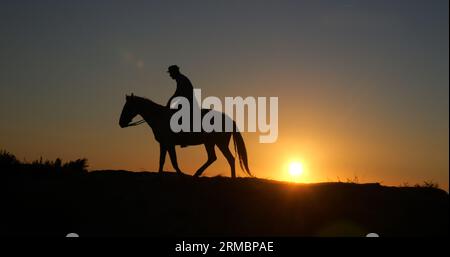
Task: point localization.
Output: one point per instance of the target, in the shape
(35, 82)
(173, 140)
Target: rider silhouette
(184, 88)
(184, 85)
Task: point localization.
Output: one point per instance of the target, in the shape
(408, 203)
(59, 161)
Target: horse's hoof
(179, 173)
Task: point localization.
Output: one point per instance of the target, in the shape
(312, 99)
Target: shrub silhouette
(428, 184)
(79, 165)
(9, 162)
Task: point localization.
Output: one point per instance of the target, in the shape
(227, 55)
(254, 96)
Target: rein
(139, 122)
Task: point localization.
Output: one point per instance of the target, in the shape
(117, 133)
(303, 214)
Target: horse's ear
(129, 97)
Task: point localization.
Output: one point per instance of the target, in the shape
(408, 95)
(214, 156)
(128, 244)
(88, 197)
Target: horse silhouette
(158, 118)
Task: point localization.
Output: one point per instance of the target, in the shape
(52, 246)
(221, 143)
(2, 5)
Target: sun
(296, 169)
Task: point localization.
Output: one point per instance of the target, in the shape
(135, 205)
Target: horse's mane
(144, 100)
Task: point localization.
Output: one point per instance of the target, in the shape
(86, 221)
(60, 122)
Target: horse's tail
(241, 151)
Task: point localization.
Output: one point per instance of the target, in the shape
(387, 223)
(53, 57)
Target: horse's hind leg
(223, 146)
(173, 159)
(211, 158)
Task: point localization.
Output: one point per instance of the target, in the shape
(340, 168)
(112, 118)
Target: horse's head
(128, 112)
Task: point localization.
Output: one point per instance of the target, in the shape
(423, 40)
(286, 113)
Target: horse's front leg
(173, 159)
(162, 157)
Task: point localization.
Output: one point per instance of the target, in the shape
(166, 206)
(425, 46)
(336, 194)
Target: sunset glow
(296, 169)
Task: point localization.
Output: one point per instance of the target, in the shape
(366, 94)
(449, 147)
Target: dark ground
(120, 203)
